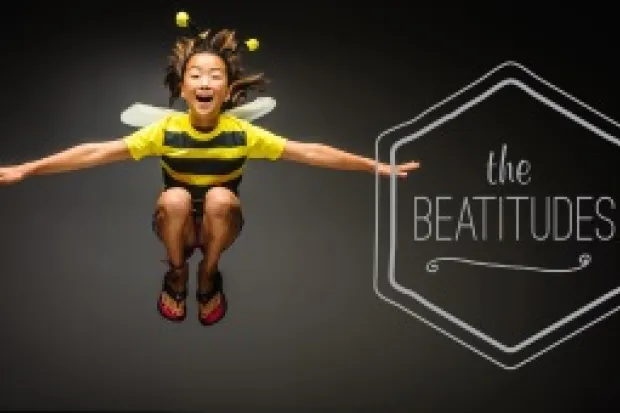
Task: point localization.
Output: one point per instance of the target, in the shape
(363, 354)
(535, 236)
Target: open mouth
(204, 99)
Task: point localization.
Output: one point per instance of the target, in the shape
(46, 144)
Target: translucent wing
(140, 114)
(255, 109)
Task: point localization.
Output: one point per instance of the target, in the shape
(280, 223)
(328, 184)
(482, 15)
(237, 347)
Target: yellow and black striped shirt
(198, 160)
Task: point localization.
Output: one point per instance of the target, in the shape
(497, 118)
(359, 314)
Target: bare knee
(175, 202)
(220, 202)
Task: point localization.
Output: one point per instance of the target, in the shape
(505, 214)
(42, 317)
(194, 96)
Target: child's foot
(171, 303)
(212, 303)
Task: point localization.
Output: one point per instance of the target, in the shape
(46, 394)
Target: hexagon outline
(437, 310)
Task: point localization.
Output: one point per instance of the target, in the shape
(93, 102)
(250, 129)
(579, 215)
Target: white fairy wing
(139, 115)
(255, 109)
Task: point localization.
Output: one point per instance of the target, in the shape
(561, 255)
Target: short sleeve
(261, 143)
(147, 141)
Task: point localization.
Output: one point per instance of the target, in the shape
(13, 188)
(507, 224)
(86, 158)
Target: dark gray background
(81, 269)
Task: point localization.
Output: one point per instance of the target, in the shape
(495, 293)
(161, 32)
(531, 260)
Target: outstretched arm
(82, 156)
(317, 154)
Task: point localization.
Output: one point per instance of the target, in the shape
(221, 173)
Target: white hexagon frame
(511, 81)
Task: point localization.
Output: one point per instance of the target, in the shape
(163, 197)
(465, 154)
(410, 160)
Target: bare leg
(176, 231)
(222, 223)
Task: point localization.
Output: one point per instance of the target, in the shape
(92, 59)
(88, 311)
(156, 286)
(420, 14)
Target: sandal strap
(177, 296)
(205, 297)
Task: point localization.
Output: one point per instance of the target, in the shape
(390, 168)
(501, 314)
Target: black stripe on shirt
(202, 166)
(182, 140)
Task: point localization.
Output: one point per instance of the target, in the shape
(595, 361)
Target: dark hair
(223, 44)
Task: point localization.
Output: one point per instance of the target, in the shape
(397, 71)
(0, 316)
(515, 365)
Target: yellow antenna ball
(182, 19)
(252, 44)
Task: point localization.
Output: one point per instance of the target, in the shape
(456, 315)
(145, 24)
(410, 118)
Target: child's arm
(320, 155)
(82, 156)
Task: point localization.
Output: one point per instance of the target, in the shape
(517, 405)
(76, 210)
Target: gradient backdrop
(306, 330)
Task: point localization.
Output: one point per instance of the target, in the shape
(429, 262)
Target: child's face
(205, 84)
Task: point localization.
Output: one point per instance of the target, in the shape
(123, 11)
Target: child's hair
(224, 44)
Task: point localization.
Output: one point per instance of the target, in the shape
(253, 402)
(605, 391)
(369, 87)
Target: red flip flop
(217, 314)
(167, 312)
(178, 296)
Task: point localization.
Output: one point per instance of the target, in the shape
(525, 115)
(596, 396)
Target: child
(203, 153)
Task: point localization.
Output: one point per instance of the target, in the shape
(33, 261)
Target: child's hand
(11, 175)
(401, 170)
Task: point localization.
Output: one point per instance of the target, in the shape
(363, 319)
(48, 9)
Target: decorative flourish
(584, 260)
